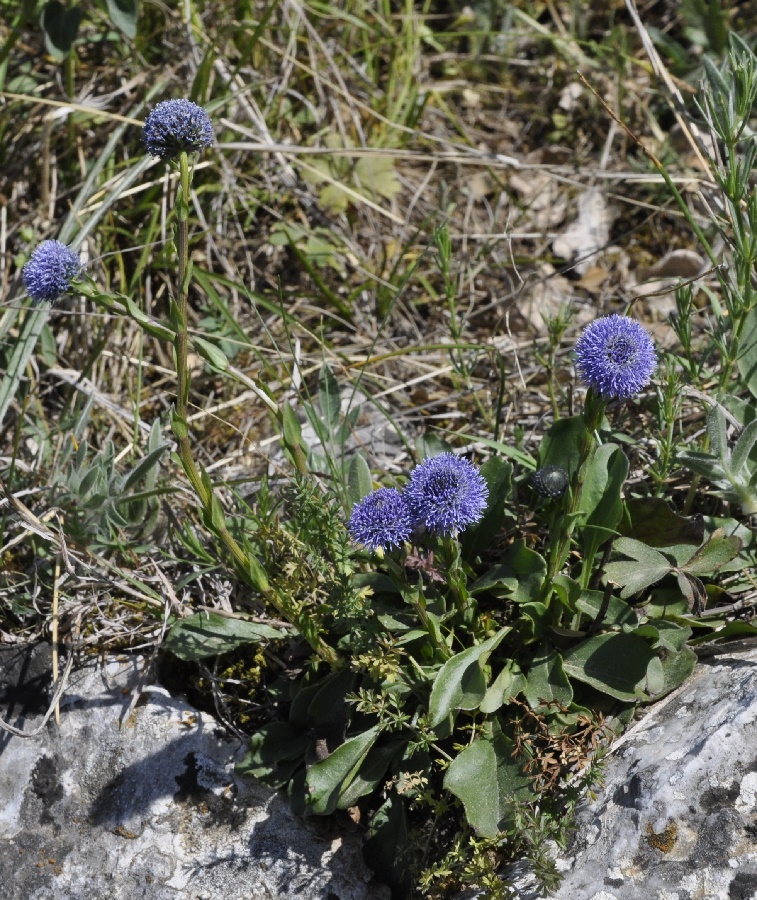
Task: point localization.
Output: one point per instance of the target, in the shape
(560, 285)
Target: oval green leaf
(487, 780)
(615, 664)
(208, 634)
(329, 778)
(546, 680)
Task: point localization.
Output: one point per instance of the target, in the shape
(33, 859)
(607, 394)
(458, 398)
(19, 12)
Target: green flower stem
(560, 545)
(455, 575)
(418, 602)
(181, 343)
(213, 515)
(419, 605)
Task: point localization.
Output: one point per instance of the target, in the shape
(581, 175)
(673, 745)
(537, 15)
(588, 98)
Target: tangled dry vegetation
(346, 136)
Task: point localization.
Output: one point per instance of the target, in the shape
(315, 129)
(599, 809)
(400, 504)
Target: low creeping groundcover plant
(455, 642)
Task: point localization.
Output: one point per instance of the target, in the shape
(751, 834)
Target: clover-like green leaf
(376, 176)
(648, 567)
(719, 549)
(651, 521)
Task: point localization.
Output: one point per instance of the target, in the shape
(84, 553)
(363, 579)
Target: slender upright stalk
(181, 349)
(413, 594)
(560, 546)
(246, 563)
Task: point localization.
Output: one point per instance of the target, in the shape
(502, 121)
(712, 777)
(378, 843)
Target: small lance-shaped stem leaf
(329, 778)
(747, 358)
(292, 436)
(144, 467)
(717, 429)
(209, 352)
(413, 594)
(330, 399)
(603, 478)
(460, 683)
(583, 438)
(359, 480)
(743, 448)
(505, 687)
(703, 464)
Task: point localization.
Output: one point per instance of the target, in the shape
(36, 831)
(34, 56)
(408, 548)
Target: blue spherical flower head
(49, 272)
(446, 494)
(615, 357)
(381, 520)
(176, 125)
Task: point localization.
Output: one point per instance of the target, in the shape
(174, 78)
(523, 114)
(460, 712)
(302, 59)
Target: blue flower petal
(381, 520)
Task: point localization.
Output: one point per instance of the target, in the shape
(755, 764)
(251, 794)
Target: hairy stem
(246, 563)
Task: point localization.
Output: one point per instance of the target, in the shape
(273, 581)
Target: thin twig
(17, 732)
(56, 593)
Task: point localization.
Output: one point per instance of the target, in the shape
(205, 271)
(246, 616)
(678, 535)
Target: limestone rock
(677, 818)
(150, 808)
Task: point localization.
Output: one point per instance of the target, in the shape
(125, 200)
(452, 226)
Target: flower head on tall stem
(175, 126)
(381, 520)
(615, 357)
(50, 271)
(446, 493)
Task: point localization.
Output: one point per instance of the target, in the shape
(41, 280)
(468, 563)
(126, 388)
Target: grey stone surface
(150, 808)
(677, 818)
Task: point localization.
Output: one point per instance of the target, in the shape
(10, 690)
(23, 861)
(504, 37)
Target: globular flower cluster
(50, 270)
(615, 357)
(381, 520)
(175, 126)
(445, 494)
